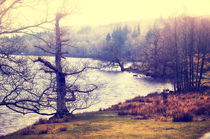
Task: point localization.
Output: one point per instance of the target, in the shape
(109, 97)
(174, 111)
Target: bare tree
(16, 77)
(153, 38)
(203, 48)
(65, 93)
(22, 89)
(182, 51)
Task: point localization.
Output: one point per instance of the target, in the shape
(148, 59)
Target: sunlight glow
(96, 12)
(106, 11)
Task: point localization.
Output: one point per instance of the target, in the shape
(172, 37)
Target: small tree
(115, 48)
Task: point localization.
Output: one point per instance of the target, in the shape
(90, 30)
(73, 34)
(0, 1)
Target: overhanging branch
(77, 72)
(86, 91)
(43, 49)
(24, 28)
(47, 64)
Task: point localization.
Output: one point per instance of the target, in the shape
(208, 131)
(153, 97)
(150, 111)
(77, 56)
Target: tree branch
(46, 51)
(24, 28)
(73, 98)
(77, 72)
(86, 91)
(26, 108)
(2, 2)
(3, 12)
(46, 63)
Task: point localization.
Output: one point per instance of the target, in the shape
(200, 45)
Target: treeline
(85, 41)
(179, 49)
(175, 48)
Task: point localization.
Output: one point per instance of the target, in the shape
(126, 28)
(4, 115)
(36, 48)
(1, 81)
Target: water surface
(115, 87)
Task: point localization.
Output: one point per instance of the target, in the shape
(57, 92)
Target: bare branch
(86, 91)
(24, 28)
(43, 49)
(25, 108)
(73, 98)
(2, 1)
(49, 44)
(46, 63)
(61, 15)
(3, 12)
(77, 72)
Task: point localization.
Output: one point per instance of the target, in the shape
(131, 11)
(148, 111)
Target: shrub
(43, 131)
(182, 117)
(41, 121)
(176, 107)
(27, 131)
(55, 129)
(200, 111)
(63, 129)
(122, 113)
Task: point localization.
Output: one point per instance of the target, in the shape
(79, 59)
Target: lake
(115, 87)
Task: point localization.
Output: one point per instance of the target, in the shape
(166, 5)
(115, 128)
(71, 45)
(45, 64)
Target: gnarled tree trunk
(60, 76)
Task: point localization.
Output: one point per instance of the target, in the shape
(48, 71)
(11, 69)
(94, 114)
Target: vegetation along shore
(157, 115)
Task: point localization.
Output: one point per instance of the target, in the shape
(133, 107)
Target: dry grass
(152, 110)
(42, 129)
(171, 106)
(109, 125)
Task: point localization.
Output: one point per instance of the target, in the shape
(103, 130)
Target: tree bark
(60, 76)
(176, 59)
(191, 59)
(121, 67)
(201, 70)
(197, 69)
(120, 64)
(156, 54)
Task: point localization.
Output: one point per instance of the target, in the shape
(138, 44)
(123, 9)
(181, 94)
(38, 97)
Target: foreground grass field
(109, 125)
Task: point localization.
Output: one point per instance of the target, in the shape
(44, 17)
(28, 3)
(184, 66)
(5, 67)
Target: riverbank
(152, 120)
(107, 124)
(176, 107)
(140, 69)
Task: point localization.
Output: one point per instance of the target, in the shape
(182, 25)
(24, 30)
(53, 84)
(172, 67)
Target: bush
(27, 131)
(201, 110)
(41, 121)
(176, 107)
(43, 132)
(182, 117)
(63, 129)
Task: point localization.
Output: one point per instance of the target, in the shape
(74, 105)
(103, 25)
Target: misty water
(115, 87)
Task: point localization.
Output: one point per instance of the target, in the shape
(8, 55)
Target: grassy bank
(109, 125)
(168, 106)
(150, 117)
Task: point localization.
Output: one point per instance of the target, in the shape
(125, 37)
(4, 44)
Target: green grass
(109, 125)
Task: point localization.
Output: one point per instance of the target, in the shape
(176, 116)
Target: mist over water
(115, 87)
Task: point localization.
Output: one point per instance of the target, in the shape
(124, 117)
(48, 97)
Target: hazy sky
(106, 11)
(96, 12)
